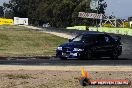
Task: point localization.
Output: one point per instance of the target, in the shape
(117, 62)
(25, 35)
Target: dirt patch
(66, 68)
(57, 79)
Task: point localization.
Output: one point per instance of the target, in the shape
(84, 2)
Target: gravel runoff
(40, 78)
(66, 68)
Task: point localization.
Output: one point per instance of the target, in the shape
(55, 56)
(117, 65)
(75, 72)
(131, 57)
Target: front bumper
(70, 54)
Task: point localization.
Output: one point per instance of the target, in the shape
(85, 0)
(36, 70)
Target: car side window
(86, 38)
(108, 38)
(89, 39)
(101, 39)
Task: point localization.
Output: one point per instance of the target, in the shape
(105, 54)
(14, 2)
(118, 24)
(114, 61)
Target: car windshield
(78, 38)
(83, 38)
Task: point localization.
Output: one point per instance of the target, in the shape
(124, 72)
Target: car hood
(74, 45)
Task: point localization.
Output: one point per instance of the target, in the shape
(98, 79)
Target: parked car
(46, 25)
(90, 45)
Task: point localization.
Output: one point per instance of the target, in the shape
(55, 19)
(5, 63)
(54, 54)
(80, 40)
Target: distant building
(129, 18)
(130, 21)
(131, 24)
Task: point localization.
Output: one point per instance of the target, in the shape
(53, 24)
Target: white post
(130, 24)
(4, 13)
(115, 22)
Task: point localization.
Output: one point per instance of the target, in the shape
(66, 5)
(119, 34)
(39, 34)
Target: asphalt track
(125, 59)
(57, 62)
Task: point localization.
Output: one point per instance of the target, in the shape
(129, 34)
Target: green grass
(20, 41)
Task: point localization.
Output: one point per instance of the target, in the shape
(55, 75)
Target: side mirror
(70, 40)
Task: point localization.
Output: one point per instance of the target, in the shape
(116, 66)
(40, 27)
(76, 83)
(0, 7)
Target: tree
(102, 6)
(59, 13)
(1, 11)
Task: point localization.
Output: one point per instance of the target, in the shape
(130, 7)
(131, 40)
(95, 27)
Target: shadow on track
(96, 59)
(58, 62)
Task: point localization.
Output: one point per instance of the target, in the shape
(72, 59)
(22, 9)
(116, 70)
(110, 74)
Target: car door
(100, 45)
(110, 44)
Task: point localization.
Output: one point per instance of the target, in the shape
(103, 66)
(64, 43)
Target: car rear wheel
(89, 55)
(63, 58)
(114, 54)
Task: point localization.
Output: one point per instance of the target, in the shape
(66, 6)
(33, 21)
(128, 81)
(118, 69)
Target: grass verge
(20, 41)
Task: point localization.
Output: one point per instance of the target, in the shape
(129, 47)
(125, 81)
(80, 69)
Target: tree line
(59, 13)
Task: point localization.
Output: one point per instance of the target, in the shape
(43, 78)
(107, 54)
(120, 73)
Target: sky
(2, 1)
(119, 8)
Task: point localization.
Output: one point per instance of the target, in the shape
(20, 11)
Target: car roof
(93, 33)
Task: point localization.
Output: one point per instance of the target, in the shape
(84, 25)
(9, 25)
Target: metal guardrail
(76, 32)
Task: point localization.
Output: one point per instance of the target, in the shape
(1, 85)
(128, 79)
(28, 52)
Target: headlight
(59, 48)
(77, 49)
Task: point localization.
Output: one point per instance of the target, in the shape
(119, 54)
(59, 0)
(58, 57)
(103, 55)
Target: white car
(46, 25)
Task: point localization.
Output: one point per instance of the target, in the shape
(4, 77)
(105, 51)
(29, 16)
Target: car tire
(89, 55)
(114, 54)
(63, 58)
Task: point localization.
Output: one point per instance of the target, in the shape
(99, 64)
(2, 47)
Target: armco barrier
(122, 31)
(92, 29)
(70, 28)
(130, 33)
(78, 27)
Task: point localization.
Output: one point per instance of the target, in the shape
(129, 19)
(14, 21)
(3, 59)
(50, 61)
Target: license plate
(73, 54)
(66, 54)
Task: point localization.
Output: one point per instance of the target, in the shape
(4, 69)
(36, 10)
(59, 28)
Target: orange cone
(85, 74)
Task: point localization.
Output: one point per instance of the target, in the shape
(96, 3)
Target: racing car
(91, 45)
